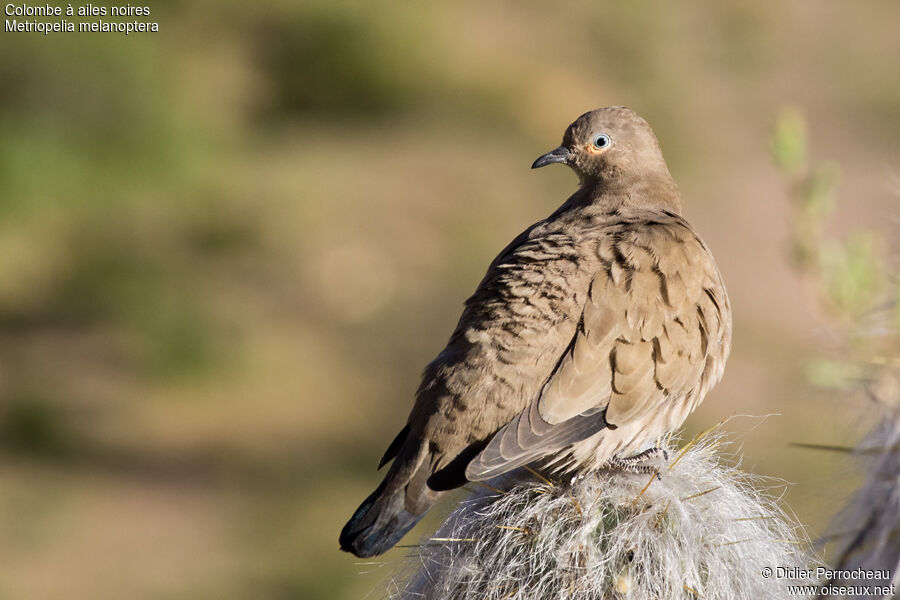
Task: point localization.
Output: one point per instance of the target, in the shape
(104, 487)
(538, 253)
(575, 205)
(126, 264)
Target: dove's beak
(559, 155)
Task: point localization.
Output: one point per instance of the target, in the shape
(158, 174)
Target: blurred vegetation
(859, 288)
(853, 278)
(227, 250)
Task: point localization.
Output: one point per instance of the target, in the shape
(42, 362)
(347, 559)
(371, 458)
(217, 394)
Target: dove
(592, 335)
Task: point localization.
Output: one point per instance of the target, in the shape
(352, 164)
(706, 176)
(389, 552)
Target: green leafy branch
(851, 276)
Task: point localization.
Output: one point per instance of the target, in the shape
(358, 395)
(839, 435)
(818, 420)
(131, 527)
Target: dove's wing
(654, 329)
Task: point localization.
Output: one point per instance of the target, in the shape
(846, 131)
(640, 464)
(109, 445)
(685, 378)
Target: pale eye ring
(601, 141)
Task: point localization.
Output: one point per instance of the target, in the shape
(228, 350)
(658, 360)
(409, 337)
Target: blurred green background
(228, 249)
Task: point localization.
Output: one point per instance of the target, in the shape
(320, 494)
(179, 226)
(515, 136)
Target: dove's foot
(648, 461)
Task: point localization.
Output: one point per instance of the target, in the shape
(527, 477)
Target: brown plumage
(595, 332)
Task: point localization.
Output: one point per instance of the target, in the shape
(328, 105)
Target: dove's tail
(392, 509)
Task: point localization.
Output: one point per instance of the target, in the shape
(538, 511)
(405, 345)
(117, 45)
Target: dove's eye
(601, 141)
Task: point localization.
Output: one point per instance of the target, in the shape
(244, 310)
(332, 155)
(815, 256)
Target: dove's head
(609, 145)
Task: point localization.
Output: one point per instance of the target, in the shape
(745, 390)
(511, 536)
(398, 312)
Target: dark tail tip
(377, 524)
